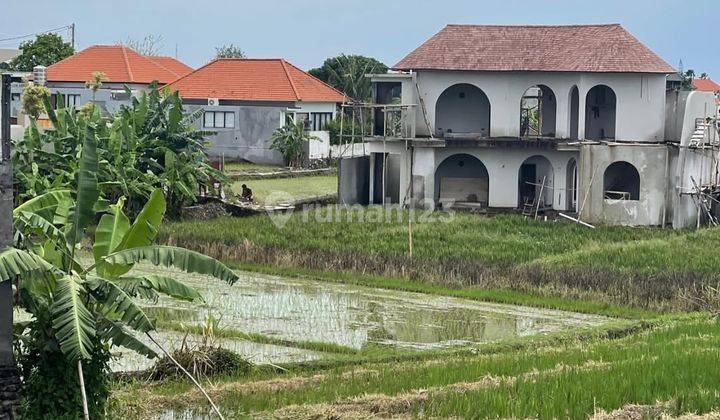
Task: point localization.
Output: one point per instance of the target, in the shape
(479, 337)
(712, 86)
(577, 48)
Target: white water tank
(39, 75)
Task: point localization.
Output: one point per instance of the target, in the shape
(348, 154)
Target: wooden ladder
(528, 208)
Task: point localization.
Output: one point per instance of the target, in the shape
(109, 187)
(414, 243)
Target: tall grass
(642, 267)
(675, 362)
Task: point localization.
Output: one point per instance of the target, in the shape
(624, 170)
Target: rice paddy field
(488, 318)
(278, 190)
(656, 269)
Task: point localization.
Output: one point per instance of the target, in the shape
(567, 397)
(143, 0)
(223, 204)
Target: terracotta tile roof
(254, 80)
(174, 65)
(706, 85)
(575, 48)
(120, 65)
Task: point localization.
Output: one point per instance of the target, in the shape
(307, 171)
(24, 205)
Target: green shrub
(202, 361)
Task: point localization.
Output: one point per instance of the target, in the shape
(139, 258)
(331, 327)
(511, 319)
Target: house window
(68, 100)
(219, 119)
(304, 118)
(319, 119)
(621, 182)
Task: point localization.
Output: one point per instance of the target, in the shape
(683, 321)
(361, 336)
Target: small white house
(121, 66)
(245, 100)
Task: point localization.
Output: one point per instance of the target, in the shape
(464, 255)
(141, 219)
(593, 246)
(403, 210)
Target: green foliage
(44, 50)
(202, 361)
(346, 73)
(289, 141)
(349, 126)
(79, 312)
(229, 51)
(150, 144)
(32, 99)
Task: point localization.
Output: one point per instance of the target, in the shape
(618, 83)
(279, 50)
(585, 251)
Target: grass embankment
(670, 365)
(277, 190)
(645, 268)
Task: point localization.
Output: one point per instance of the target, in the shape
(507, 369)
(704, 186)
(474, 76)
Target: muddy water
(356, 316)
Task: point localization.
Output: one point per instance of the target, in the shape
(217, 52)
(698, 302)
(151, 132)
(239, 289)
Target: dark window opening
(621, 182)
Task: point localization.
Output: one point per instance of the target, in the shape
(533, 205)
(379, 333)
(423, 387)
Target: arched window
(537, 112)
(462, 109)
(621, 182)
(461, 178)
(600, 107)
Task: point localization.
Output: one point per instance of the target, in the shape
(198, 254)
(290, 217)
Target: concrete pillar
(9, 379)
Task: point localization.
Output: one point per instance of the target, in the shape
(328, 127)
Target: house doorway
(574, 112)
(386, 178)
(600, 109)
(537, 112)
(535, 182)
(571, 183)
(462, 110)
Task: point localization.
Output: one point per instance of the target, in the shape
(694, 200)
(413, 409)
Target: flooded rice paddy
(351, 316)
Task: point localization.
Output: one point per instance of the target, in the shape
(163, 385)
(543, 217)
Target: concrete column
(562, 114)
(582, 95)
(9, 379)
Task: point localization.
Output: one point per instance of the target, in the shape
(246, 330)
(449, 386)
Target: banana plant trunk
(9, 379)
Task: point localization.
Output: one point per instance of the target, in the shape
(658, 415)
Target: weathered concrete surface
(353, 180)
(650, 162)
(9, 380)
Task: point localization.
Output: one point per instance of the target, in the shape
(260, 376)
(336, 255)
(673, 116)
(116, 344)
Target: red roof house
(706, 85)
(120, 65)
(254, 80)
(550, 48)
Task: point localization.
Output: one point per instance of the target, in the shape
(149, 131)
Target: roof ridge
(570, 25)
(150, 58)
(127, 63)
(308, 74)
(194, 71)
(292, 85)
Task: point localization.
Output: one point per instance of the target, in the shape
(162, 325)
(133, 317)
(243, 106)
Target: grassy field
(250, 167)
(276, 190)
(641, 267)
(668, 366)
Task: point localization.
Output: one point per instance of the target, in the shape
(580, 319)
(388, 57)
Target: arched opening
(571, 177)
(462, 109)
(537, 112)
(600, 108)
(621, 181)
(535, 182)
(461, 178)
(574, 112)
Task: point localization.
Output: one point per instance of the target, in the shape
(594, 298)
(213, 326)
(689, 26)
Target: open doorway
(537, 112)
(600, 109)
(571, 184)
(574, 112)
(386, 176)
(535, 182)
(462, 109)
(461, 178)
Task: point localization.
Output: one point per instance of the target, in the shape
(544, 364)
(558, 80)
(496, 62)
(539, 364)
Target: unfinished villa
(575, 119)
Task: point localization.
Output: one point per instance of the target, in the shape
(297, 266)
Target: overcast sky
(306, 32)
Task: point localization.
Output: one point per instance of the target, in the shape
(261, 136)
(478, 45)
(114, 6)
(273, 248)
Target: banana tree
(78, 309)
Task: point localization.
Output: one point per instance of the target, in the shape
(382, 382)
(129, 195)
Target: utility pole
(9, 379)
(72, 35)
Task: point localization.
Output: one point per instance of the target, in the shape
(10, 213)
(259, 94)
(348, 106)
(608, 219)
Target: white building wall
(640, 109)
(502, 164)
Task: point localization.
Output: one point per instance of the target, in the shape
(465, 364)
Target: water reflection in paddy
(353, 316)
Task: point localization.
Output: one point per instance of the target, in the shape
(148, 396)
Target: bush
(202, 361)
(50, 379)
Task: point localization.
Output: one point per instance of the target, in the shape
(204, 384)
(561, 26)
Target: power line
(14, 38)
